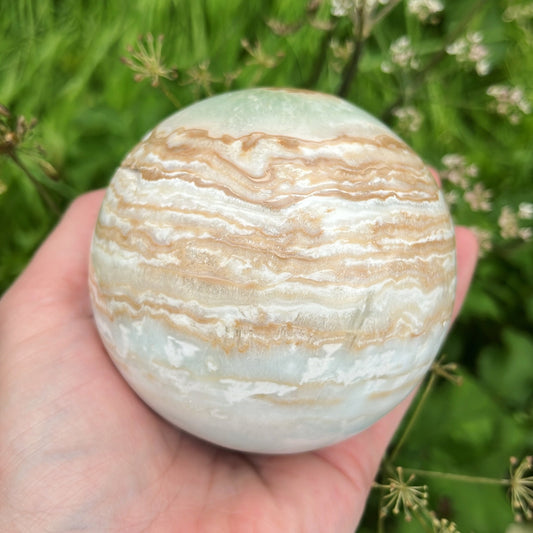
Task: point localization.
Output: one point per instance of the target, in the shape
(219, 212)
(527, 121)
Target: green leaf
(480, 304)
(508, 370)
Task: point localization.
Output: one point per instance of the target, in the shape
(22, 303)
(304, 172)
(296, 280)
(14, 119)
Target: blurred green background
(454, 79)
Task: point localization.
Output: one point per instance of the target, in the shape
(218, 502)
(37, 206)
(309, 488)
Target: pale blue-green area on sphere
(303, 114)
(254, 402)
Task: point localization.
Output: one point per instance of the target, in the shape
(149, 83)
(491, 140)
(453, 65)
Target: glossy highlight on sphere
(272, 270)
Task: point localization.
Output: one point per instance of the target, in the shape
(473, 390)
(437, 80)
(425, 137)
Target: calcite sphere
(272, 270)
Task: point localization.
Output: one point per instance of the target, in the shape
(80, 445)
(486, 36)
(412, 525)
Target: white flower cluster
(343, 8)
(470, 50)
(409, 118)
(484, 239)
(510, 102)
(458, 170)
(402, 55)
(342, 52)
(525, 211)
(427, 11)
(478, 198)
(508, 222)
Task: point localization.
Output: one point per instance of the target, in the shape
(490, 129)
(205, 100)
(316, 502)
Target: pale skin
(80, 451)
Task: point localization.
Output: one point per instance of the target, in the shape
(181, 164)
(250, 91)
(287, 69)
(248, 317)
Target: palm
(119, 452)
(77, 443)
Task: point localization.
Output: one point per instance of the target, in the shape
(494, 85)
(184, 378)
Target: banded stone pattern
(276, 252)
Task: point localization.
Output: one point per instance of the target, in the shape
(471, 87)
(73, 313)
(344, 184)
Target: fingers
(435, 174)
(65, 255)
(467, 254)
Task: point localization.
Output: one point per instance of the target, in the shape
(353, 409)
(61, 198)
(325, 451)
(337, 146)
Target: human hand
(79, 450)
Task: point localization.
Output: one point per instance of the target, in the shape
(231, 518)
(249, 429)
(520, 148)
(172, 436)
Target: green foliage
(61, 63)
(508, 368)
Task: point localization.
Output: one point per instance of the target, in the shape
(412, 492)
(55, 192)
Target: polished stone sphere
(272, 270)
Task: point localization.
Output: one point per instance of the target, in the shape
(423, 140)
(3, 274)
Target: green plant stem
(381, 517)
(457, 477)
(421, 517)
(318, 65)
(403, 437)
(362, 32)
(382, 13)
(43, 193)
(413, 418)
(170, 96)
(350, 71)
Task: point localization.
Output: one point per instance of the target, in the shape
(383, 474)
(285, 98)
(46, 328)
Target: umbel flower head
(403, 496)
(426, 10)
(15, 140)
(509, 101)
(13, 130)
(443, 525)
(146, 62)
(342, 8)
(470, 50)
(521, 487)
